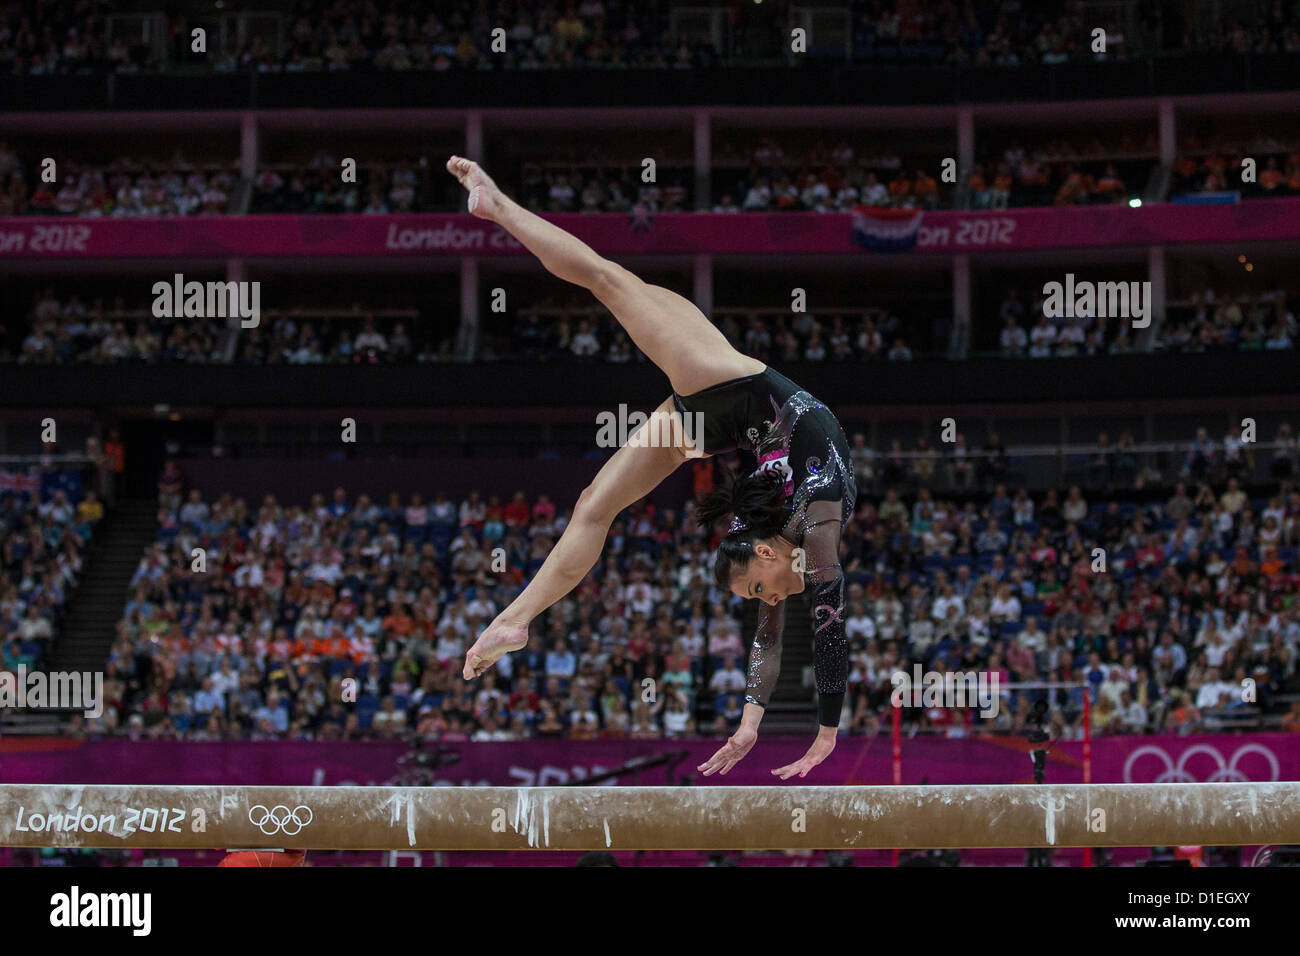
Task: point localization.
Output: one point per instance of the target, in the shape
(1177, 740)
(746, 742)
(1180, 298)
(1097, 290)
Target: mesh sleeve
(825, 580)
(765, 654)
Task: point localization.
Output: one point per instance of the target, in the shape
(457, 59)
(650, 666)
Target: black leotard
(801, 438)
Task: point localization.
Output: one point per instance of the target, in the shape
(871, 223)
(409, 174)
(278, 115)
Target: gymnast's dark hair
(758, 501)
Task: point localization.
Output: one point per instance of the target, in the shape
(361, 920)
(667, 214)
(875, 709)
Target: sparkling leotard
(790, 432)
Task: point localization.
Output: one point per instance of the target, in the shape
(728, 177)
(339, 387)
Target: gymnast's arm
(764, 662)
(825, 579)
(820, 526)
(764, 668)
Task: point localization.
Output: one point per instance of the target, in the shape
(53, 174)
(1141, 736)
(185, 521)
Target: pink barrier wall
(856, 760)
(669, 233)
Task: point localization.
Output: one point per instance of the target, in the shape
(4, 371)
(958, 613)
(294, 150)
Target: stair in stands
(86, 633)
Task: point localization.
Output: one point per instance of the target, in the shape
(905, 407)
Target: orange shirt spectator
(1291, 719)
(1184, 712)
(1241, 564)
(115, 453)
(361, 649)
(1071, 190)
(702, 477)
(1271, 564)
(1110, 183)
(399, 623)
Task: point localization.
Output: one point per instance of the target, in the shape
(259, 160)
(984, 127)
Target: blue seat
(367, 707)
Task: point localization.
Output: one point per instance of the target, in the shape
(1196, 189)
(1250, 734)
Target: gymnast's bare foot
(500, 638)
(484, 196)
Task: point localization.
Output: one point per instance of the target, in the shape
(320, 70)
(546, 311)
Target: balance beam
(650, 818)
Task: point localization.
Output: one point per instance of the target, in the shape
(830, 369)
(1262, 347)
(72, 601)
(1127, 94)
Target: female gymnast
(786, 516)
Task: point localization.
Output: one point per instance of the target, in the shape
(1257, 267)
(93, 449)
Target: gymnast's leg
(668, 328)
(629, 475)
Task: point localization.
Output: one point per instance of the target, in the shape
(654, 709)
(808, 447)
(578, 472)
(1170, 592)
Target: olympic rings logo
(279, 819)
(1225, 770)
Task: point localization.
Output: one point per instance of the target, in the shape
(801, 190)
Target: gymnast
(786, 516)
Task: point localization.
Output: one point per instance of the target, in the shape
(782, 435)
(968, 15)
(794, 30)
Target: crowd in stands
(70, 332)
(773, 174)
(1114, 468)
(1200, 590)
(586, 335)
(125, 186)
(379, 188)
(1063, 173)
(1220, 167)
(363, 340)
(1212, 323)
(43, 539)
(436, 35)
(589, 187)
(1206, 322)
(784, 175)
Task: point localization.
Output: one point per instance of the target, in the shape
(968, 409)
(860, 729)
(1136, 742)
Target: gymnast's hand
(732, 751)
(821, 749)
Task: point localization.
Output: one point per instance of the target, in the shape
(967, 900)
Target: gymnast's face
(770, 576)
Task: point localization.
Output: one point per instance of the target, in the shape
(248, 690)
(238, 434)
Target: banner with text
(784, 233)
